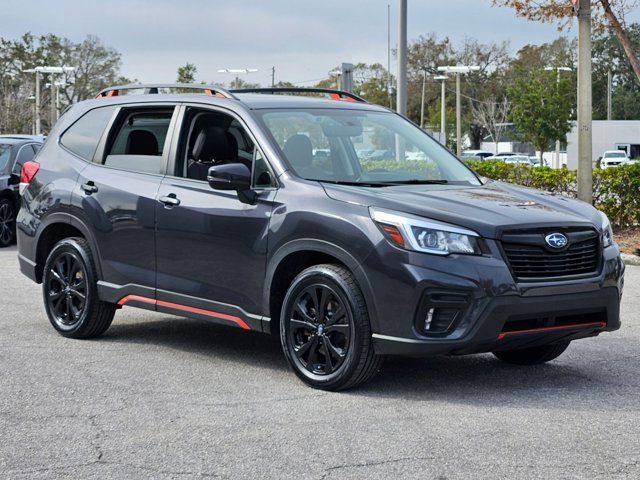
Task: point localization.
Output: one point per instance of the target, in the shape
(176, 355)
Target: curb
(630, 259)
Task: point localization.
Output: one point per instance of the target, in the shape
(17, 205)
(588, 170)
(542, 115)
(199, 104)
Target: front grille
(531, 259)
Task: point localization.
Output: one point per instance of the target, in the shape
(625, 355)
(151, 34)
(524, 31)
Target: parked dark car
(15, 150)
(214, 207)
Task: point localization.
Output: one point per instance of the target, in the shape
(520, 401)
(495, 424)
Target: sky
(303, 39)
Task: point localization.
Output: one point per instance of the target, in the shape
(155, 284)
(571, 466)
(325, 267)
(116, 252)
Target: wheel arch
(56, 227)
(293, 257)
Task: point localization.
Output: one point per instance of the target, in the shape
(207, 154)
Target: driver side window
(211, 138)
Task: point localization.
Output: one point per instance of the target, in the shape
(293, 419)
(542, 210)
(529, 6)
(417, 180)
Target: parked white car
(476, 154)
(615, 158)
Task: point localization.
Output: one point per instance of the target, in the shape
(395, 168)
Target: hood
(488, 209)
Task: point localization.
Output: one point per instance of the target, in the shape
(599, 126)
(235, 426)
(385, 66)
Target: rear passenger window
(137, 140)
(25, 154)
(82, 137)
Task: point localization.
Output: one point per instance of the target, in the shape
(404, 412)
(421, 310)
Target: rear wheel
(325, 329)
(7, 222)
(70, 292)
(533, 355)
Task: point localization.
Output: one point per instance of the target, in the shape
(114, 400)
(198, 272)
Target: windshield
(5, 153)
(362, 147)
(615, 155)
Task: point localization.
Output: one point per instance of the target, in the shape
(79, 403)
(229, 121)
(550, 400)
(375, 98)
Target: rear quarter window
(83, 136)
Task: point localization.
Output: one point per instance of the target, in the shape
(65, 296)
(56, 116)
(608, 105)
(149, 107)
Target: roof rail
(154, 88)
(334, 94)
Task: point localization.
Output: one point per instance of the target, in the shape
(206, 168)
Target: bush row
(616, 190)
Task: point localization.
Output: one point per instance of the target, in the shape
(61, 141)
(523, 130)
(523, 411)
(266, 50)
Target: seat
(213, 146)
(299, 151)
(141, 142)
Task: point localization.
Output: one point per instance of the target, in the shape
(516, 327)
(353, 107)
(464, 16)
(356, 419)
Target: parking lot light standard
(38, 71)
(459, 70)
(556, 159)
(443, 109)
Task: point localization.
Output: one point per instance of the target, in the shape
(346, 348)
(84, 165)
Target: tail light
(27, 174)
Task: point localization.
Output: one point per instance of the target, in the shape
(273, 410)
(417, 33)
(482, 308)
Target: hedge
(616, 190)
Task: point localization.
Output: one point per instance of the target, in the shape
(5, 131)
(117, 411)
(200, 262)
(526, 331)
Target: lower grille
(532, 260)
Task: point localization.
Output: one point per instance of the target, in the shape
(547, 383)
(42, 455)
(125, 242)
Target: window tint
(25, 154)
(137, 140)
(262, 176)
(83, 136)
(5, 154)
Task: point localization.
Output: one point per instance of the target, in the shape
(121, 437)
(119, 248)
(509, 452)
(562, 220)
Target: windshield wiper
(416, 181)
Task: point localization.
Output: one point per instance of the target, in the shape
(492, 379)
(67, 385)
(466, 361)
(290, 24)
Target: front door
(211, 247)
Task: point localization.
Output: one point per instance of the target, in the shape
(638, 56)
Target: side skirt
(181, 305)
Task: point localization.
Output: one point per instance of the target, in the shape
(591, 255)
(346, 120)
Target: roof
(19, 139)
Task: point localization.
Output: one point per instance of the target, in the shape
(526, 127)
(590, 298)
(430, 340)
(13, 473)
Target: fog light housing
(440, 311)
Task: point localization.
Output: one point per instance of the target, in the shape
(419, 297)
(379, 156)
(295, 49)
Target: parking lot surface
(165, 397)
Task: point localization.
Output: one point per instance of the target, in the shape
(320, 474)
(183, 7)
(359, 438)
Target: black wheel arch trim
(328, 248)
(73, 221)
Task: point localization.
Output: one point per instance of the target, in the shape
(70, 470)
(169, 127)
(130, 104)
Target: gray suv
(265, 210)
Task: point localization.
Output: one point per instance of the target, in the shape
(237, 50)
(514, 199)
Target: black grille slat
(529, 261)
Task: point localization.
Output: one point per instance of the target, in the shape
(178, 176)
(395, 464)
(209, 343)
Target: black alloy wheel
(320, 329)
(325, 329)
(66, 289)
(7, 223)
(69, 288)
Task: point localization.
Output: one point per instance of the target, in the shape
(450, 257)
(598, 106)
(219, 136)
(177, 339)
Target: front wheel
(7, 223)
(325, 330)
(70, 292)
(533, 355)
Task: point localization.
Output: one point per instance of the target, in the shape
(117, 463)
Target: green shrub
(616, 190)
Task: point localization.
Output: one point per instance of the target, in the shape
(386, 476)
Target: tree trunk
(623, 38)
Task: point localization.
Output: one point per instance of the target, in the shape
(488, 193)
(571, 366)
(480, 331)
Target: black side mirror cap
(232, 176)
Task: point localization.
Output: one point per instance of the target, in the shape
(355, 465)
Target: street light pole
(38, 126)
(443, 109)
(609, 95)
(585, 167)
(237, 72)
(401, 99)
(459, 70)
(556, 158)
(424, 87)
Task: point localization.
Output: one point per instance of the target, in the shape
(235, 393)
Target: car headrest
(214, 144)
(141, 142)
(299, 150)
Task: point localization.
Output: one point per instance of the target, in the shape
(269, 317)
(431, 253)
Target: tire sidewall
(322, 276)
(71, 245)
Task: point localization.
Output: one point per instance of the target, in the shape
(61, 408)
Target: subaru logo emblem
(556, 240)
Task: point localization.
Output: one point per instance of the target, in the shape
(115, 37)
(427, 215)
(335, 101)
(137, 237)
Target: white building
(607, 135)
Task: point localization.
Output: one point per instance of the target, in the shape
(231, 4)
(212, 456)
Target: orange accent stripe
(550, 329)
(224, 316)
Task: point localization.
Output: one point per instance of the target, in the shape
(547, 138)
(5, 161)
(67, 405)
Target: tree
(541, 108)
(606, 15)
(187, 73)
(96, 67)
(492, 115)
(609, 56)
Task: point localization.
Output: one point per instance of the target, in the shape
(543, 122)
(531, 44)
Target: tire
(7, 223)
(328, 347)
(533, 355)
(70, 294)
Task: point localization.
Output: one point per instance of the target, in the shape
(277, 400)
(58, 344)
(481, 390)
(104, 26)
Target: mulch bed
(628, 239)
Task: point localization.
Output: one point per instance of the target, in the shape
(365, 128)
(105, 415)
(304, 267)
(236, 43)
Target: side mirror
(232, 176)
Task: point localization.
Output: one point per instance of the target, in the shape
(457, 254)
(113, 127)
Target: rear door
(118, 196)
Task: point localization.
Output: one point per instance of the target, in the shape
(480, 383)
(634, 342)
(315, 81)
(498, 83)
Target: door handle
(169, 200)
(89, 187)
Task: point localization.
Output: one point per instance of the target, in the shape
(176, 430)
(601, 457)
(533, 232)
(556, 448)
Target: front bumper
(501, 313)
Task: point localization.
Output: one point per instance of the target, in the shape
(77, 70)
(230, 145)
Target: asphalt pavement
(164, 397)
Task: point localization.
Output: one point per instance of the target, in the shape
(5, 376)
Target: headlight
(607, 233)
(422, 235)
